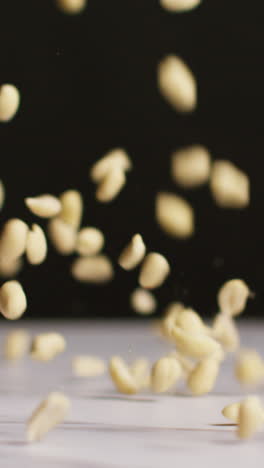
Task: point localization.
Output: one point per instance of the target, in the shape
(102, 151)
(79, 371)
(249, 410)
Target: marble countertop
(108, 430)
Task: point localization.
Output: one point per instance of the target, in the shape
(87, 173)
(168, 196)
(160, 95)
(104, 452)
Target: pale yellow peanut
(36, 248)
(203, 377)
(48, 414)
(88, 366)
(196, 345)
(46, 346)
(224, 330)
(71, 208)
(232, 297)
(249, 367)
(165, 373)
(2, 194)
(154, 271)
(190, 166)
(179, 6)
(143, 302)
(13, 239)
(232, 411)
(230, 187)
(187, 364)
(122, 377)
(133, 253)
(16, 344)
(174, 215)
(44, 206)
(71, 7)
(171, 312)
(62, 235)
(250, 417)
(10, 267)
(110, 186)
(177, 84)
(9, 102)
(13, 301)
(140, 371)
(114, 158)
(96, 269)
(191, 322)
(90, 241)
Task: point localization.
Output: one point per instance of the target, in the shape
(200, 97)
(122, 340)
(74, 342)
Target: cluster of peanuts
(200, 349)
(200, 352)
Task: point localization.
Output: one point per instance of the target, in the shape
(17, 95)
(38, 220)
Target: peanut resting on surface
(47, 415)
(122, 377)
(165, 372)
(88, 366)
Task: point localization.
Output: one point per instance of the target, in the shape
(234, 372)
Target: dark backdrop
(88, 84)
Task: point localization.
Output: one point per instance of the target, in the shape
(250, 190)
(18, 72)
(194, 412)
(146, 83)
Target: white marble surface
(105, 429)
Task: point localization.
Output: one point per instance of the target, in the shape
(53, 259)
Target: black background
(88, 84)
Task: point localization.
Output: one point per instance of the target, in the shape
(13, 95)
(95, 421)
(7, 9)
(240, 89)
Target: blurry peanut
(179, 6)
(191, 322)
(36, 248)
(232, 297)
(47, 345)
(71, 208)
(250, 417)
(90, 241)
(171, 312)
(230, 186)
(110, 186)
(47, 415)
(154, 271)
(96, 269)
(174, 215)
(13, 239)
(165, 372)
(71, 7)
(196, 345)
(2, 194)
(122, 377)
(62, 235)
(16, 344)
(13, 301)
(232, 411)
(88, 366)
(249, 368)
(224, 330)
(114, 158)
(140, 372)
(133, 254)
(143, 302)
(191, 166)
(44, 206)
(9, 102)
(10, 267)
(203, 377)
(177, 84)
